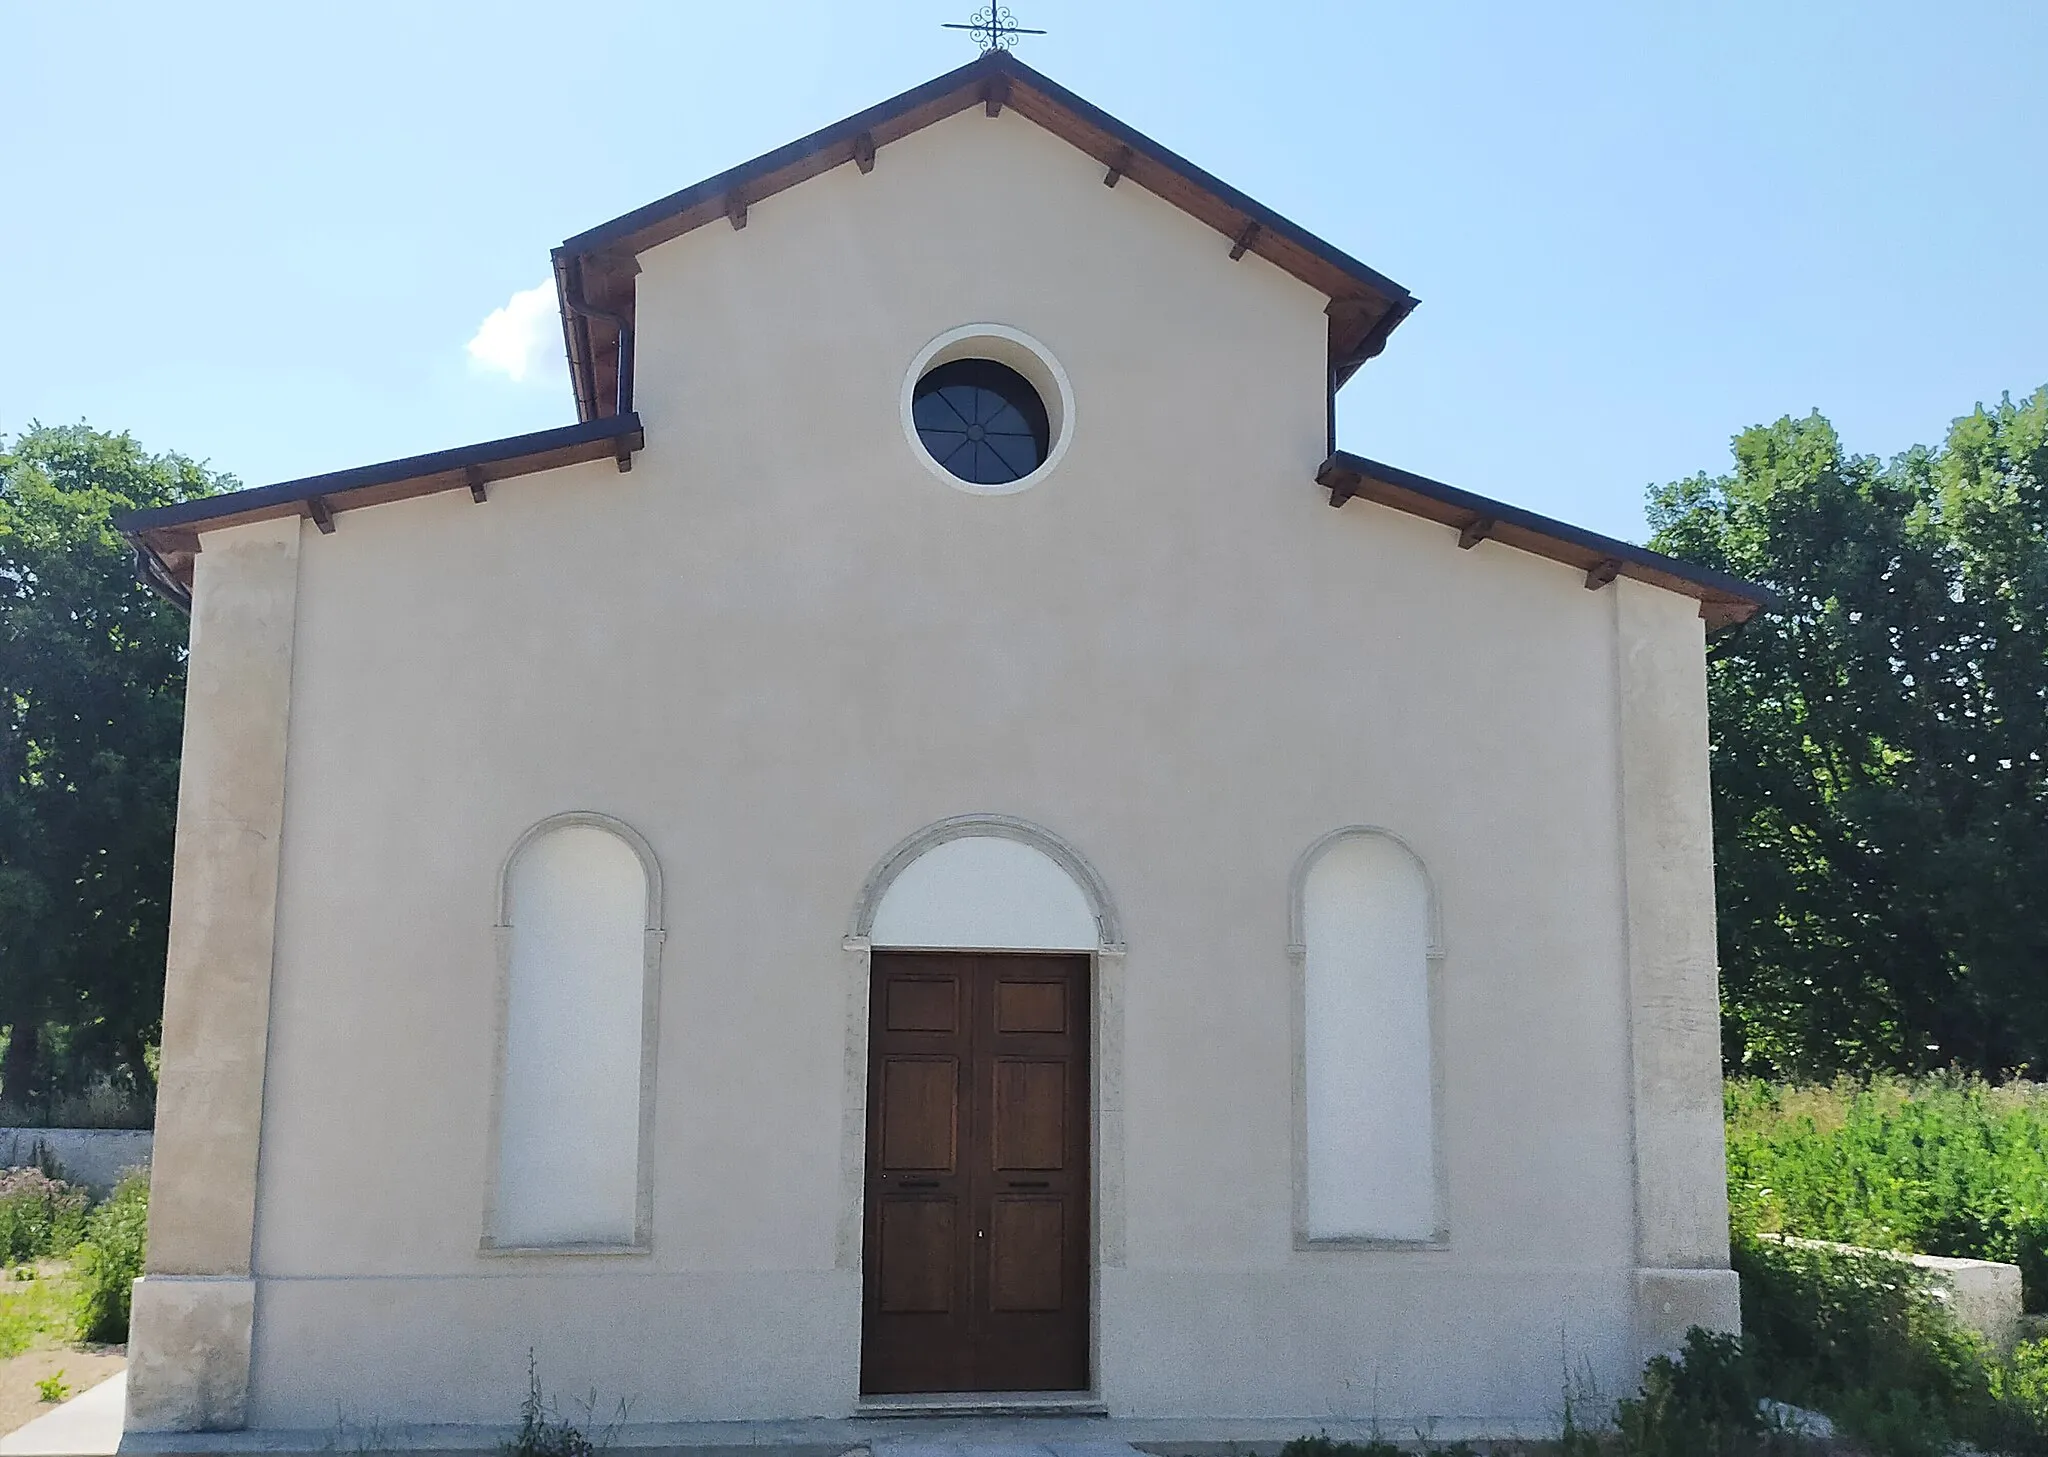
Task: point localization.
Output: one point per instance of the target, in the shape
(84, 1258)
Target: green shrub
(1941, 1166)
(1705, 1403)
(1864, 1339)
(39, 1216)
(110, 1258)
(1324, 1445)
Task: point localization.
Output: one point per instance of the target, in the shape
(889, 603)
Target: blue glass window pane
(982, 421)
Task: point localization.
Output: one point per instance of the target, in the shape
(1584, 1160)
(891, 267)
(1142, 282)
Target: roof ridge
(594, 269)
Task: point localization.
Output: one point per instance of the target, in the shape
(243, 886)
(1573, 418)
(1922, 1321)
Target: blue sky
(266, 235)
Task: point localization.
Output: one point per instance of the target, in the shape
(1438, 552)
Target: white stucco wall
(779, 645)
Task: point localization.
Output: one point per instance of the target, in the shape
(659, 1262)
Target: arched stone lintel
(1297, 886)
(999, 826)
(649, 865)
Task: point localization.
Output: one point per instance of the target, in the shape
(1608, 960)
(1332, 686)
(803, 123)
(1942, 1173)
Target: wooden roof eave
(170, 535)
(1724, 600)
(1365, 305)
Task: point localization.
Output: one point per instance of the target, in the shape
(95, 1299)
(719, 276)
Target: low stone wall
(94, 1157)
(1984, 1295)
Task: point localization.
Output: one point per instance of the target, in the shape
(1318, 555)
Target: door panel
(923, 1004)
(920, 1112)
(1026, 1254)
(1031, 1006)
(976, 1255)
(916, 1257)
(1030, 1115)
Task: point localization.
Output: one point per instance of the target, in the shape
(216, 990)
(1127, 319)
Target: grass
(42, 1310)
(1942, 1166)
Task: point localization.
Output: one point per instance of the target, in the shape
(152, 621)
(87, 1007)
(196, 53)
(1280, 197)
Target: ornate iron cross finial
(994, 28)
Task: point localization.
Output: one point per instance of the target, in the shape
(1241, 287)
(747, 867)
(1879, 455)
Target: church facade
(911, 859)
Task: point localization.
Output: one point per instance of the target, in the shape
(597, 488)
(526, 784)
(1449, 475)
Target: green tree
(1880, 791)
(92, 681)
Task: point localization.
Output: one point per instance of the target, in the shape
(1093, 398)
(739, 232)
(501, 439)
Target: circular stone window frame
(1007, 346)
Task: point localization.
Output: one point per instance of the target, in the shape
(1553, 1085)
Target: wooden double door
(976, 1256)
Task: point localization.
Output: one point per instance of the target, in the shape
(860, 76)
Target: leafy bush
(1706, 1403)
(1862, 1338)
(1940, 1166)
(1324, 1445)
(39, 1215)
(109, 1260)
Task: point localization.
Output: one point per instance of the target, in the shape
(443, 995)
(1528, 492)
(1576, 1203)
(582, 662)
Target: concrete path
(88, 1425)
(915, 1448)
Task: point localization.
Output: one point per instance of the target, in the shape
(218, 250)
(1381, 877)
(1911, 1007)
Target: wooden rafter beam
(1475, 531)
(1723, 600)
(173, 532)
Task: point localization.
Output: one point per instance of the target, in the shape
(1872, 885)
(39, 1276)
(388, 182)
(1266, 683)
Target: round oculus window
(982, 421)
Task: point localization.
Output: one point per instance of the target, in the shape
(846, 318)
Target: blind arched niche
(580, 944)
(1365, 939)
(989, 881)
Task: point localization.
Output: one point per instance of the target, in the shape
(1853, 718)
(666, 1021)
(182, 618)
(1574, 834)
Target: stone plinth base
(1671, 1302)
(188, 1353)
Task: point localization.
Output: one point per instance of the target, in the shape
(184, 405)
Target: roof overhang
(1724, 600)
(167, 537)
(597, 269)
(595, 276)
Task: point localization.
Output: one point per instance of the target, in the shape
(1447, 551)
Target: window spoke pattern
(982, 421)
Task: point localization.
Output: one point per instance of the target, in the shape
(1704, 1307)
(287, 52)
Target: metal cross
(993, 27)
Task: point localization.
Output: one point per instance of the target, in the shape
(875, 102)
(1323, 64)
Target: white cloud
(511, 339)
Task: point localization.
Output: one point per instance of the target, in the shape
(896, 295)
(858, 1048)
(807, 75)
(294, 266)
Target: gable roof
(594, 278)
(595, 270)
(166, 538)
(1724, 600)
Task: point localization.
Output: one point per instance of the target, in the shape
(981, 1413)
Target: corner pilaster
(194, 1311)
(1681, 1192)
